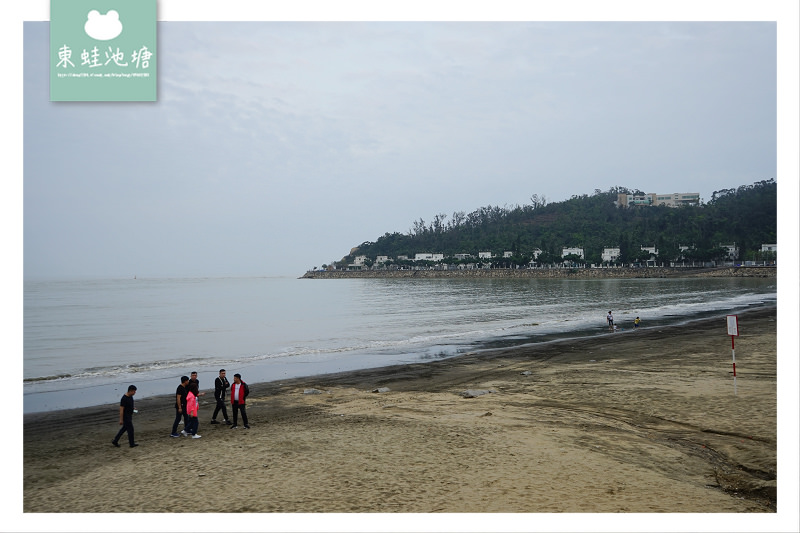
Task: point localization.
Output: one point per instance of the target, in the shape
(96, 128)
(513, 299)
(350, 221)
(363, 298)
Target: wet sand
(641, 421)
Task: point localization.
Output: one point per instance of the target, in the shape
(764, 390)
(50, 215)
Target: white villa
(572, 251)
(610, 254)
(358, 262)
(733, 250)
(428, 257)
(652, 249)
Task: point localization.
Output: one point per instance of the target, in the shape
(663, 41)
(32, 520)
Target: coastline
(630, 422)
(568, 273)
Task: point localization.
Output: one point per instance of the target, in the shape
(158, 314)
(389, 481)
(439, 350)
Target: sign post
(733, 331)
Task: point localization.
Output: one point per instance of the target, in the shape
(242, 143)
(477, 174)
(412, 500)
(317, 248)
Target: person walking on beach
(610, 320)
(221, 385)
(180, 407)
(196, 381)
(126, 417)
(239, 392)
(636, 323)
(192, 408)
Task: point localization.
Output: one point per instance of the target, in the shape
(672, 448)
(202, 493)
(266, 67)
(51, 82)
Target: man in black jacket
(180, 407)
(220, 387)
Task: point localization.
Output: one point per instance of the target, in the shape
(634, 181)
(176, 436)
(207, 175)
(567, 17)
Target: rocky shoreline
(569, 273)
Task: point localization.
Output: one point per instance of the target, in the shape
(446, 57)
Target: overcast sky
(276, 147)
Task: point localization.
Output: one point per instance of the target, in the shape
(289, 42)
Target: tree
(746, 215)
(538, 201)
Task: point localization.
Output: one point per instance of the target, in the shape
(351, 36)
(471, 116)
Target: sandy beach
(640, 421)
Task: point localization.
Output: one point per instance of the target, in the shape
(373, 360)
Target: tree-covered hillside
(746, 216)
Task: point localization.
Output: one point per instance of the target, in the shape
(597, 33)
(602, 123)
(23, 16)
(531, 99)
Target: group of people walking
(187, 403)
(187, 406)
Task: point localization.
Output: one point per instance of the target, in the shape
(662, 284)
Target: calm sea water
(86, 340)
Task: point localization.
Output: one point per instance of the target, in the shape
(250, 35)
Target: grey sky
(275, 147)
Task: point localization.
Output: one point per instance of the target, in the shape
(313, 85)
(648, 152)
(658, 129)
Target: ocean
(86, 340)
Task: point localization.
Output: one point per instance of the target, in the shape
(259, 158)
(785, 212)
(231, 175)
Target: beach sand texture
(636, 422)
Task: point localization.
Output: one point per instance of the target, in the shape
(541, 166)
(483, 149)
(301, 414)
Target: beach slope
(636, 422)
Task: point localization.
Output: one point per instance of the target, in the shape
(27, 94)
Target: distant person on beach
(193, 379)
(221, 385)
(636, 323)
(180, 407)
(610, 320)
(192, 408)
(126, 417)
(239, 392)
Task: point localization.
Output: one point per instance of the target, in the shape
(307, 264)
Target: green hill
(746, 216)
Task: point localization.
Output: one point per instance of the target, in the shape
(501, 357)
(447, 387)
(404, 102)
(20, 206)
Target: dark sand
(635, 422)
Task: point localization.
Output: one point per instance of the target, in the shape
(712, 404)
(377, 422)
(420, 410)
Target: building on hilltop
(676, 199)
(630, 200)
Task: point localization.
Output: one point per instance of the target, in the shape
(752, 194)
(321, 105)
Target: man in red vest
(239, 392)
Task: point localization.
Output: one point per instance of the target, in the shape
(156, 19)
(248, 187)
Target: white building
(428, 257)
(610, 254)
(484, 255)
(769, 248)
(634, 199)
(358, 261)
(572, 251)
(675, 199)
(381, 259)
(507, 254)
(462, 256)
(733, 250)
(652, 249)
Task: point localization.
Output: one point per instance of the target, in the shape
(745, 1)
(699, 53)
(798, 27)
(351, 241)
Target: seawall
(567, 273)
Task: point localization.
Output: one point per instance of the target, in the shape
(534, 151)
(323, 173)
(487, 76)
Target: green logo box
(103, 50)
